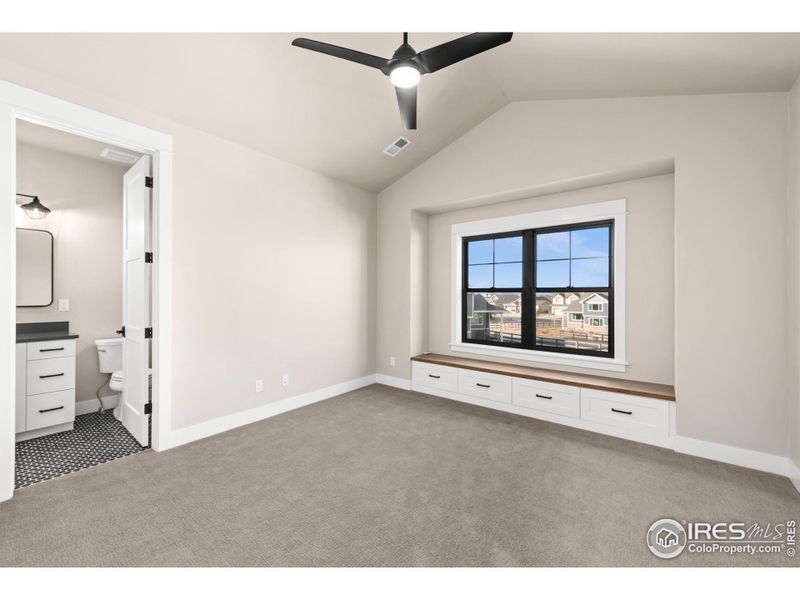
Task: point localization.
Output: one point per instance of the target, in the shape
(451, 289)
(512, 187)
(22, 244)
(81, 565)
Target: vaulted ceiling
(336, 117)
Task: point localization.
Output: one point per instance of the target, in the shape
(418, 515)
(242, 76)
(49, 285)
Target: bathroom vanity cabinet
(45, 386)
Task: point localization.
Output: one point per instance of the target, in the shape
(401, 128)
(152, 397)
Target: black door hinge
(148, 182)
(148, 333)
(148, 408)
(148, 257)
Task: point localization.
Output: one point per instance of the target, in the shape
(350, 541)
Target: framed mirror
(34, 268)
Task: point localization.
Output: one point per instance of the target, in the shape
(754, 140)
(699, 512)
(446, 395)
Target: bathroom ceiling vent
(119, 156)
(396, 146)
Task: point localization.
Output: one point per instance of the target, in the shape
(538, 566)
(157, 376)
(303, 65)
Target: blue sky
(588, 267)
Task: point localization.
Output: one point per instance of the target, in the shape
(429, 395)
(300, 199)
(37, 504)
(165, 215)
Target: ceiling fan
(407, 65)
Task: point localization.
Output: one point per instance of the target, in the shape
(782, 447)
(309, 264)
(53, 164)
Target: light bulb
(404, 77)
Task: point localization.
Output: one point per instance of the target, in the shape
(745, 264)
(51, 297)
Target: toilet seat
(117, 379)
(119, 375)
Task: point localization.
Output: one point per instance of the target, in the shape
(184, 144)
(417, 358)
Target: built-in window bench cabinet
(635, 410)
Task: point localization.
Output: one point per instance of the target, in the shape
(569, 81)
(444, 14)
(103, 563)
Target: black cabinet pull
(434, 376)
(545, 397)
(53, 375)
(50, 349)
(51, 409)
(624, 412)
(486, 385)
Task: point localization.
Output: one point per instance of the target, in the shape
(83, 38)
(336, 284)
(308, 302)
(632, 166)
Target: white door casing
(18, 102)
(135, 304)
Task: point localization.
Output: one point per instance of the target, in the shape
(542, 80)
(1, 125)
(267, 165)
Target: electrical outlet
(63, 304)
(259, 385)
(392, 361)
(285, 380)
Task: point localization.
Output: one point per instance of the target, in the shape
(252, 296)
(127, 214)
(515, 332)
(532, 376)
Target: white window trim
(611, 210)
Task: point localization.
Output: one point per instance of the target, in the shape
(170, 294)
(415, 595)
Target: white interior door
(136, 305)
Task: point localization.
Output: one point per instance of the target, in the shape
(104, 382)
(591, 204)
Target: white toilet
(109, 356)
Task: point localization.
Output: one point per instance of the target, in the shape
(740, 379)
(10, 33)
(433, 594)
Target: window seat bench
(635, 410)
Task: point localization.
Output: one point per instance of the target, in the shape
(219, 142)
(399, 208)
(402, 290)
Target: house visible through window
(548, 289)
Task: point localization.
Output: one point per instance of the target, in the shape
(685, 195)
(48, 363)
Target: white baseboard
(222, 424)
(794, 474)
(398, 382)
(752, 459)
(84, 407)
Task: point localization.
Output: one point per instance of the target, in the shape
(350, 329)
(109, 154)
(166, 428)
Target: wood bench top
(608, 384)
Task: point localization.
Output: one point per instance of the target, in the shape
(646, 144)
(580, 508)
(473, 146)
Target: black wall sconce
(34, 209)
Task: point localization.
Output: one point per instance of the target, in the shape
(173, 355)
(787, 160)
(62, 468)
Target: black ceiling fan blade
(362, 58)
(454, 51)
(407, 101)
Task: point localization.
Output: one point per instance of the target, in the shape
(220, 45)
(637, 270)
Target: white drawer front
(435, 376)
(548, 397)
(643, 417)
(54, 349)
(488, 386)
(51, 375)
(54, 408)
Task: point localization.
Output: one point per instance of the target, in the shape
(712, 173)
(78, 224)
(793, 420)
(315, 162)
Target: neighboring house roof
(575, 307)
(506, 298)
(481, 304)
(600, 295)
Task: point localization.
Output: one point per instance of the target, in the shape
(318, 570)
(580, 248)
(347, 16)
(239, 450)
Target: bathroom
(83, 301)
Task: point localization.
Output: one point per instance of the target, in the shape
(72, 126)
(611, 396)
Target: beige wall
(730, 199)
(793, 291)
(273, 268)
(86, 199)
(650, 289)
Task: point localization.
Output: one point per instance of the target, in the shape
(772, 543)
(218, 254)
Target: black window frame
(529, 290)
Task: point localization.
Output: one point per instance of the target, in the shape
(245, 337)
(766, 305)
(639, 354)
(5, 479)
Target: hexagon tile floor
(95, 439)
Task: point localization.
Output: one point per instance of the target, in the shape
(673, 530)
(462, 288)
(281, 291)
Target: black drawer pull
(51, 409)
(50, 349)
(434, 376)
(545, 397)
(53, 375)
(486, 385)
(624, 412)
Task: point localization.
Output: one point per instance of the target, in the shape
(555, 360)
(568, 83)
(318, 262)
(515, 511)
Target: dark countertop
(44, 332)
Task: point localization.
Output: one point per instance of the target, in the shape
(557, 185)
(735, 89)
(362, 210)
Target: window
(493, 284)
(533, 289)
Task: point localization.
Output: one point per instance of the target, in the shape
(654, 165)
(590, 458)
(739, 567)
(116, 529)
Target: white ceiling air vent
(394, 148)
(119, 156)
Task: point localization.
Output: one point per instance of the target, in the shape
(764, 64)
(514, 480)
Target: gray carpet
(383, 477)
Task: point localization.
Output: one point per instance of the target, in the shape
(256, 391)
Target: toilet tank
(109, 354)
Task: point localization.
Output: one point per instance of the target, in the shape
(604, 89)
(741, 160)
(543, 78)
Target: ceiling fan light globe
(404, 76)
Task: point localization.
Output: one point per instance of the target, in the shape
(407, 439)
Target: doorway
(17, 105)
(83, 303)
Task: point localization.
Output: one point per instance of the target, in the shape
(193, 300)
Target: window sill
(617, 365)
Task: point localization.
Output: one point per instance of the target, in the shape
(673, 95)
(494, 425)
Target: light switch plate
(259, 385)
(63, 304)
